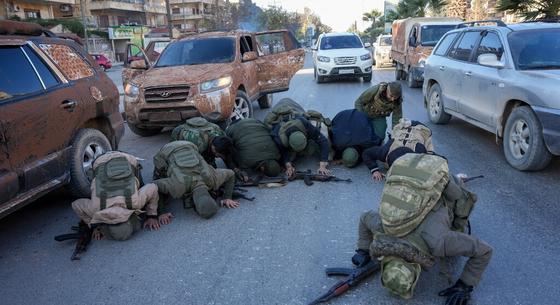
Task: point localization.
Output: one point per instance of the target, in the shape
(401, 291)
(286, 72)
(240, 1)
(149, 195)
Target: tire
(320, 79)
(242, 108)
(435, 108)
(87, 145)
(265, 101)
(144, 132)
(523, 143)
(411, 83)
(398, 73)
(367, 79)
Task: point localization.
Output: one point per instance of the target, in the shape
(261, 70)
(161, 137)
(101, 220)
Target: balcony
(123, 5)
(194, 1)
(190, 16)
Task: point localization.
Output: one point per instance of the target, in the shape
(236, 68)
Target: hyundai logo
(165, 94)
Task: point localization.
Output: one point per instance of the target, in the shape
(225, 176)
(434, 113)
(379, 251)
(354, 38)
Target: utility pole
(169, 23)
(83, 13)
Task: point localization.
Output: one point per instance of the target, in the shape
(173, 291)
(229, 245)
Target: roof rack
(479, 22)
(547, 20)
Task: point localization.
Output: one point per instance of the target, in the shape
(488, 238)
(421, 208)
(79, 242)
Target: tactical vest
(113, 178)
(379, 107)
(408, 134)
(197, 130)
(284, 111)
(187, 166)
(253, 143)
(289, 127)
(414, 185)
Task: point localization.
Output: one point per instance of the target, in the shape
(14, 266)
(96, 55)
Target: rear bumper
(417, 73)
(550, 121)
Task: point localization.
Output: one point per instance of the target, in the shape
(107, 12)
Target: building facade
(192, 16)
(36, 9)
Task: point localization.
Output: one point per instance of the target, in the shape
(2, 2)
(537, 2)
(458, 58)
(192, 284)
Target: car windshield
(385, 41)
(198, 51)
(340, 42)
(535, 49)
(432, 33)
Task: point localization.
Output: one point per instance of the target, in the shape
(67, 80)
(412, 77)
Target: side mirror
(367, 45)
(138, 64)
(490, 60)
(249, 56)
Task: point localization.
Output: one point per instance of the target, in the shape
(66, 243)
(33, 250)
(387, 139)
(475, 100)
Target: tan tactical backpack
(116, 177)
(409, 133)
(198, 131)
(414, 185)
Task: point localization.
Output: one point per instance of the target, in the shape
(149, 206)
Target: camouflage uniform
(373, 103)
(181, 182)
(436, 235)
(116, 210)
(200, 132)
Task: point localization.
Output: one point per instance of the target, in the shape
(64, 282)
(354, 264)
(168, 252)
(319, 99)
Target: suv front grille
(166, 94)
(345, 60)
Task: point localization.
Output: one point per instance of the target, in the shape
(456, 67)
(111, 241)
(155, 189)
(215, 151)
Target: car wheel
(523, 142)
(435, 106)
(410, 82)
(320, 79)
(265, 101)
(398, 73)
(242, 108)
(144, 132)
(87, 145)
(367, 79)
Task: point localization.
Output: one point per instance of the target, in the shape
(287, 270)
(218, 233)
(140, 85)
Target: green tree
(372, 16)
(530, 9)
(420, 8)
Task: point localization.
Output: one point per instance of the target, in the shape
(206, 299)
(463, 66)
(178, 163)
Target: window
(160, 46)
(104, 21)
(444, 44)
(32, 14)
(464, 46)
(198, 52)
(536, 49)
(341, 42)
(48, 78)
(490, 44)
(175, 11)
(17, 76)
(272, 43)
(246, 44)
(432, 33)
(68, 61)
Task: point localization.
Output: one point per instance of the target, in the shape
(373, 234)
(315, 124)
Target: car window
(198, 51)
(160, 45)
(340, 42)
(68, 61)
(48, 78)
(463, 47)
(444, 44)
(490, 44)
(17, 76)
(271, 43)
(385, 41)
(535, 49)
(432, 33)
(245, 44)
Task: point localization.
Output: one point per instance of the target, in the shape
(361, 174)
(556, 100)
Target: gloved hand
(458, 294)
(361, 258)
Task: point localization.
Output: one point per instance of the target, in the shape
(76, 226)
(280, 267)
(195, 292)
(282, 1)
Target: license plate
(165, 116)
(346, 71)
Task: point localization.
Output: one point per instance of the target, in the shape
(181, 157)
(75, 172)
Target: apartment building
(38, 9)
(191, 15)
(107, 13)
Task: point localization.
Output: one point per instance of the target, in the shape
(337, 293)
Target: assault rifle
(83, 237)
(262, 182)
(354, 277)
(309, 177)
(236, 194)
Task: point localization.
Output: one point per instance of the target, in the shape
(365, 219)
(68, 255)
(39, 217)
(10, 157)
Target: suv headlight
(365, 56)
(215, 84)
(131, 93)
(323, 58)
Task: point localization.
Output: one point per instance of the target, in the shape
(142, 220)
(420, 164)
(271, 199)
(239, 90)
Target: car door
(40, 112)
(453, 71)
(439, 70)
(279, 61)
(249, 67)
(481, 84)
(133, 53)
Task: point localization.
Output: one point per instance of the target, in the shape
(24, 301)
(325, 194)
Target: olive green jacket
(373, 103)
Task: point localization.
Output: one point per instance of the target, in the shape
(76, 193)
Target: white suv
(341, 54)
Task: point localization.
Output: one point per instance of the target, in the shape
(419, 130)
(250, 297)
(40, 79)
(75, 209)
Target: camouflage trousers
(442, 242)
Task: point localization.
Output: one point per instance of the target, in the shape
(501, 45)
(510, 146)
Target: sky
(338, 14)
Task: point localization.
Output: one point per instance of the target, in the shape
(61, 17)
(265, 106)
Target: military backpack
(288, 109)
(414, 185)
(116, 177)
(198, 131)
(409, 133)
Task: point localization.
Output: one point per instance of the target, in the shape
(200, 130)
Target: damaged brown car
(216, 75)
(58, 112)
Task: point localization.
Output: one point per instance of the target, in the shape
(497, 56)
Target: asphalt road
(274, 250)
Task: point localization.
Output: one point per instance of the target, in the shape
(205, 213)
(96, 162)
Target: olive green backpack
(116, 177)
(198, 131)
(414, 185)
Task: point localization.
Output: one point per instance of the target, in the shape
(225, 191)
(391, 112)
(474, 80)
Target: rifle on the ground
(355, 276)
(262, 182)
(465, 180)
(240, 193)
(83, 237)
(309, 177)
